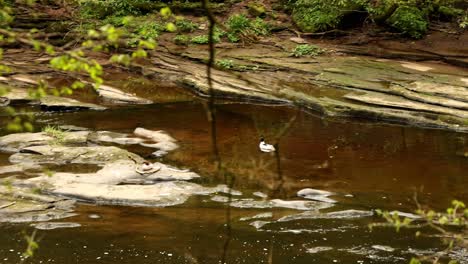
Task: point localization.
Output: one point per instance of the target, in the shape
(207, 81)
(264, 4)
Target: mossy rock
(449, 13)
(257, 10)
(379, 11)
(409, 20)
(320, 15)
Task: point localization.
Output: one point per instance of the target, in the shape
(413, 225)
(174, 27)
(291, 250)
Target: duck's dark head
(262, 139)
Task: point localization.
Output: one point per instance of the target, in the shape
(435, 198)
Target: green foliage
(202, 39)
(450, 224)
(150, 30)
(5, 14)
(56, 133)
(257, 9)
(239, 25)
(185, 25)
(306, 49)
(409, 20)
(225, 64)
(450, 12)
(103, 8)
(181, 39)
(321, 15)
(32, 245)
(463, 22)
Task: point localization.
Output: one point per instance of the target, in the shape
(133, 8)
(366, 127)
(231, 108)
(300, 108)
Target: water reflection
(380, 166)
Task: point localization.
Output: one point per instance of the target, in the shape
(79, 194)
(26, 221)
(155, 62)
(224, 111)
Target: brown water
(367, 165)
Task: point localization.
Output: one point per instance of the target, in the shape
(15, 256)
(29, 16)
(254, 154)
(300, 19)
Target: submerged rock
(260, 194)
(55, 225)
(317, 249)
(346, 214)
(257, 216)
(18, 206)
(278, 203)
(38, 216)
(317, 195)
(161, 140)
(259, 224)
(383, 248)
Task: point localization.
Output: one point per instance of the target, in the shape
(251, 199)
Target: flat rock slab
(399, 102)
(55, 103)
(116, 96)
(275, 203)
(15, 142)
(346, 214)
(118, 172)
(55, 225)
(157, 195)
(17, 205)
(64, 154)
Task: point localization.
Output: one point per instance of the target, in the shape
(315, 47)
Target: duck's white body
(266, 147)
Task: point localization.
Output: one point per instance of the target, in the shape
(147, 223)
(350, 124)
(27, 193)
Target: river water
(366, 165)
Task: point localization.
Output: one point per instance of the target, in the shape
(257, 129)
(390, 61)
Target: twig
(7, 205)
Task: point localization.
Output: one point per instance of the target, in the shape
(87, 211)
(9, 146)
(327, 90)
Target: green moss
(225, 64)
(306, 50)
(181, 40)
(409, 20)
(449, 12)
(257, 9)
(202, 39)
(239, 24)
(185, 25)
(102, 9)
(321, 15)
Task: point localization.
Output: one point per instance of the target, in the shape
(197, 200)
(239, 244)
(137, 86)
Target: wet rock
(55, 225)
(94, 216)
(259, 224)
(318, 249)
(162, 141)
(383, 248)
(39, 216)
(260, 194)
(16, 168)
(407, 215)
(112, 137)
(17, 95)
(257, 216)
(220, 199)
(346, 214)
(116, 96)
(160, 194)
(115, 173)
(65, 154)
(277, 203)
(298, 40)
(55, 103)
(317, 195)
(15, 142)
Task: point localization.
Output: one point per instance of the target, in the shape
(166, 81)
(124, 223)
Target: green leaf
(171, 27)
(166, 12)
